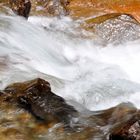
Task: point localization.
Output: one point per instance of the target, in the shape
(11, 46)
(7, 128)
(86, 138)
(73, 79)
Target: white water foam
(94, 76)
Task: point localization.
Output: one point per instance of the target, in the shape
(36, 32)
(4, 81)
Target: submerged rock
(114, 28)
(30, 110)
(116, 114)
(36, 97)
(32, 104)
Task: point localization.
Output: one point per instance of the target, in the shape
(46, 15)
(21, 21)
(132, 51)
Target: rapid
(89, 71)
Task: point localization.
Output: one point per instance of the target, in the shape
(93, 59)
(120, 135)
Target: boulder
(75, 8)
(114, 28)
(30, 110)
(36, 97)
(90, 8)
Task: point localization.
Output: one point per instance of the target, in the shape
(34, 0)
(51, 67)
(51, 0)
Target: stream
(90, 72)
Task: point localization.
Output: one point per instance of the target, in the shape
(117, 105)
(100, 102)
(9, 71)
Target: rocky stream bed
(69, 70)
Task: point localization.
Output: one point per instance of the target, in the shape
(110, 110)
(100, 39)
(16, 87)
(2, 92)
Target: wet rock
(50, 7)
(6, 10)
(129, 130)
(36, 97)
(15, 123)
(90, 8)
(101, 19)
(116, 114)
(79, 8)
(39, 7)
(21, 7)
(32, 104)
(19, 105)
(114, 28)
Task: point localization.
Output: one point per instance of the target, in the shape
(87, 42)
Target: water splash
(94, 76)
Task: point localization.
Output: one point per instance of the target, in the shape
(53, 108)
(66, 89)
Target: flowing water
(79, 68)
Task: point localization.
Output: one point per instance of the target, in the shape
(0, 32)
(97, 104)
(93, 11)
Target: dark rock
(128, 130)
(22, 103)
(36, 97)
(21, 7)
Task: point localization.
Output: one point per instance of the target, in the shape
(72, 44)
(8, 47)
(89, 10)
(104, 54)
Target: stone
(130, 130)
(50, 7)
(21, 7)
(77, 8)
(114, 28)
(36, 97)
(22, 117)
(93, 8)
